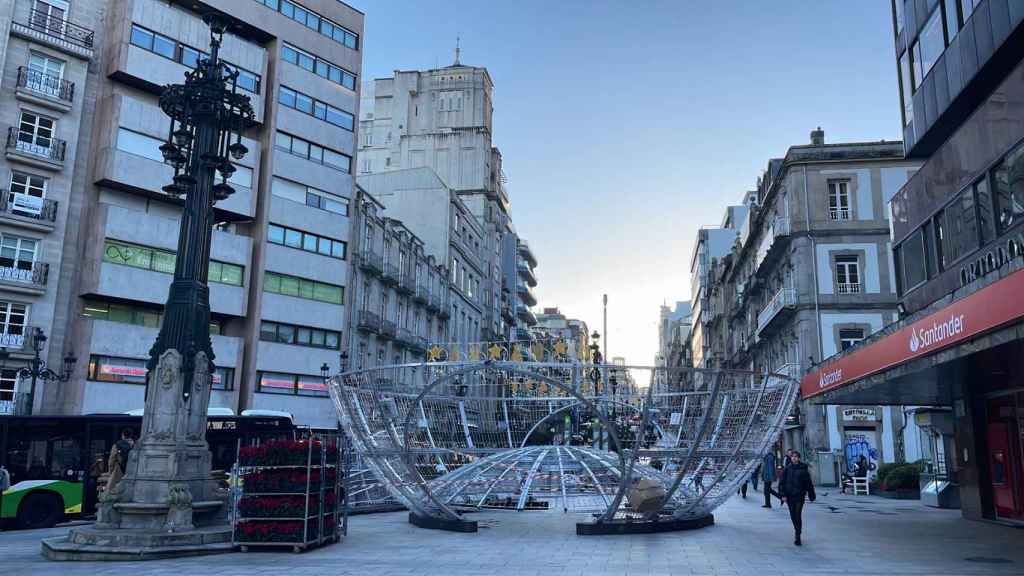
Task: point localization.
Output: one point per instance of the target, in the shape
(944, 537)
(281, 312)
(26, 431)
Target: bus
(55, 462)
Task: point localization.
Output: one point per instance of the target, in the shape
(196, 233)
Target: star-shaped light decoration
(560, 347)
(434, 353)
(454, 356)
(517, 356)
(514, 387)
(494, 352)
(538, 351)
(543, 388)
(474, 352)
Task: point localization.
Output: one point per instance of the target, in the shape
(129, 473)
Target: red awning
(990, 307)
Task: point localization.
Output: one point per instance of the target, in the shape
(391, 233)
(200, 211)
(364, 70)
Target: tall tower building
(442, 119)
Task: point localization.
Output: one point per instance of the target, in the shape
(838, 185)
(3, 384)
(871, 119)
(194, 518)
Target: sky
(625, 126)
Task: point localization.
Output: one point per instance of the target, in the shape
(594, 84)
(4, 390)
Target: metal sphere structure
(446, 437)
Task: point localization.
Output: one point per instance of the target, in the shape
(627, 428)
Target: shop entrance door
(1005, 462)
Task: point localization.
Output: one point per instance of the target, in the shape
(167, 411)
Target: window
(848, 274)
(157, 260)
(912, 259)
(309, 196)
(314, 21)
(300, 335)
(929, 45)
(839, 199)
(321, 110)
(306, 241)
(120, 370)
(1008, 188)
(17, 255)
(318, 66)
(967, 8)
(899, 16)
(949, 8)
(35, 134)
(47, 74)
(303, 288)
(12, 324)
(312, 152)
(187, 56)
(242, 176)
(956, 227)
(907, 92)
(122, 313)
(8, 381)
(849, 337)
(223, 379)
(139, 144)
(300, 384)
(25, 188)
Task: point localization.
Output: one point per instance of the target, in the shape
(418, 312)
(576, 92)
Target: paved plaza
(844, 535)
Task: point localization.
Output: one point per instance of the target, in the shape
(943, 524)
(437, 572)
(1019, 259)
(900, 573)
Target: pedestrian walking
(755, 476)
(768, 476)
(743, 489)
(794, 486)
(118, 460)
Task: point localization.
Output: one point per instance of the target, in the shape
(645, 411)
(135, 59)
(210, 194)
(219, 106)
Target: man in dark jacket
(768, 476)
(795, 485)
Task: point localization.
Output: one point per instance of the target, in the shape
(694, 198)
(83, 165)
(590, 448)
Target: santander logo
(927, 337)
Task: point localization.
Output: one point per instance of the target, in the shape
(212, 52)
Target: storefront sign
(860, 414)
(993, 259)
(986, 309)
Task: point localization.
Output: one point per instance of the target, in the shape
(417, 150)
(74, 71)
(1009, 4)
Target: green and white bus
(55, 462)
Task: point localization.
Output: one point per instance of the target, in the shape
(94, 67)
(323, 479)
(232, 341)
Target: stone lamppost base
(90, 543)
(167, 504)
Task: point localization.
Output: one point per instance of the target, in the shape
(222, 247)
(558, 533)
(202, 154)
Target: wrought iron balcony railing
(29, 143)
(407, 283)
(849, 288)
(371, 262)
(58, 26)
(48, 84)
(20, 204)
(368, 321)
(422, 294)
(388, 329)
(35, 275)
(390, 274)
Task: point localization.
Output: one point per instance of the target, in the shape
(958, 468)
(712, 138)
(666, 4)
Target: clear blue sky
(624, 126)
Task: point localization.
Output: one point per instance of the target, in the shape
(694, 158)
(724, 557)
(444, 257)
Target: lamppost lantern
(342, 361)
(37, 368)
(325, 371)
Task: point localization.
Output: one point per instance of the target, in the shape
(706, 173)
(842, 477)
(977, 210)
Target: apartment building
(279, 256)
(957, 237)
(450, 233)
(400, 293)
(712, 244)
(810, 275)
(442, 119)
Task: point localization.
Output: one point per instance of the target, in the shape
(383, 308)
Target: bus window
(66, 461)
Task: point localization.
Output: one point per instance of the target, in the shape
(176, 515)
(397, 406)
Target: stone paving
(843, 535)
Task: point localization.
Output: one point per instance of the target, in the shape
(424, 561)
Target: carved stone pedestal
(167, 504)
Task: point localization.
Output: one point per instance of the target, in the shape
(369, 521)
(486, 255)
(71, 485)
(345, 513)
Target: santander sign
(988, 308)
(924, 338)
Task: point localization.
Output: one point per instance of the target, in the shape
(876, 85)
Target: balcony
(35, 87)
(839, 214)
(17, 343)
(371, 262)
(507, 314)
(388, 329)
(405, 337)
(406, 283)
(526, 273)
(526, 315)
(56, 31)
(390, 275)
(422, 295)
(434, 304)
(417, 343)
(778, 309)
(368, 322)
(848, 288)
(790, 369)
(26, 281)
(28, 148)
(524, 250)
(526, 294)
(26, 211)
(772, 245)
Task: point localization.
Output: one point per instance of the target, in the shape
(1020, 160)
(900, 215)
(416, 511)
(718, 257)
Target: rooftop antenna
(458, 50)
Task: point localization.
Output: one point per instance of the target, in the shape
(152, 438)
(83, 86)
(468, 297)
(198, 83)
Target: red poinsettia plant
(278, 506)
(271, 531)
(288, 453)
(276, 481)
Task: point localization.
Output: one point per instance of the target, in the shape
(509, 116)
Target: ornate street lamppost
(37, 368)
(167, 485)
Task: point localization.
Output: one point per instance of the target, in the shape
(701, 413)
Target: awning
(985, 310)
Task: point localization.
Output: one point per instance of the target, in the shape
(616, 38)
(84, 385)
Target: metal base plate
(432, 523)
(653, 527)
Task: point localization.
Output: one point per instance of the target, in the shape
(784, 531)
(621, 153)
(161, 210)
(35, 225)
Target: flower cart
(289, 494)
